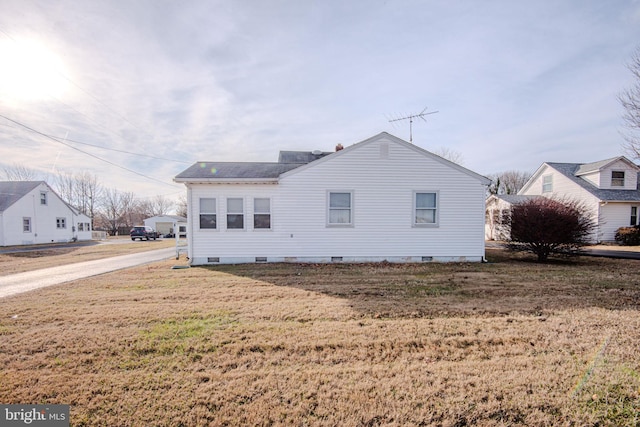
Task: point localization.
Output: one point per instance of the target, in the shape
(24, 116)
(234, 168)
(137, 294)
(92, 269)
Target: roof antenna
(411, 117)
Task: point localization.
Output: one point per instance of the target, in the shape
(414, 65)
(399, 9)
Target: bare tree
(119, 210)
(450, 154)
(18, 172)
(112, 211)
(181, 206)
(509, 182)
(630, 100)
(157, 206)
(81, 190)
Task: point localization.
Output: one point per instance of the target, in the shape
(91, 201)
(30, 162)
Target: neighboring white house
(496, 205)
(165, 224)
(609, 188)
(380, 199)
(31, 213)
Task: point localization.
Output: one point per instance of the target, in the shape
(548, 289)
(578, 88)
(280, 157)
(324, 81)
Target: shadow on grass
(509, 284)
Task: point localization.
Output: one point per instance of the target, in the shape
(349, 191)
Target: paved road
(23, 282)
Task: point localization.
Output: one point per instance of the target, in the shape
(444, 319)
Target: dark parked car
(143, 232)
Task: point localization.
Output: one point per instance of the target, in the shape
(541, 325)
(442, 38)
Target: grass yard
(506, 343)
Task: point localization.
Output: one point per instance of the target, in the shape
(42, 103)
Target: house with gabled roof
(496, 205)
(32, 213)
(608, 188)
(382, 199)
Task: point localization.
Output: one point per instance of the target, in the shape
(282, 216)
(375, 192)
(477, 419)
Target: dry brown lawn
(54, 255)
(506, 343)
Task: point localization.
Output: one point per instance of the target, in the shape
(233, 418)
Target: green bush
(628, 236)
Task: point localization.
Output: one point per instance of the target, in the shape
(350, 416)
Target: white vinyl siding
(208, 214)
(42, 219)
(382, 209)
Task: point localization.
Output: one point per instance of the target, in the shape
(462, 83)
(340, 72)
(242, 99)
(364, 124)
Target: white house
(495, 206)
(31, 213)
(380, 199)
(609, 188)
(165, 224)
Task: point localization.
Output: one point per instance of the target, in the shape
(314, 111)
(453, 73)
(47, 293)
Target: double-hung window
(61, 223)
(634, 215)
(26, 225)
(547, 183)
(340, 208)
(235, 213)
(425, 208)
(208, 219)
(43, 197)
(617, 178)
(261, 213)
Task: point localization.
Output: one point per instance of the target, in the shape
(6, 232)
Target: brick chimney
(339, 147)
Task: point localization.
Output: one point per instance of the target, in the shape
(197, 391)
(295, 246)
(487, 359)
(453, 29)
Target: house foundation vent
(427, 258)
(336, 259)
(261, 259)
(213, 259)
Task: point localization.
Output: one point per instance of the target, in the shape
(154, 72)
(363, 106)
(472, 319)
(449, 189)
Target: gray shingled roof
(12, 191)
(287, 161)
(301, 156)
(236, 170)
(595, 166)
(570, 169)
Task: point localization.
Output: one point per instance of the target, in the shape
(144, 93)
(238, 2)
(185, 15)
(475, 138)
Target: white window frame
(26, 224)
(44, 199)
(80, 226)
(61, 223)
(619, 181)
(242, 213)
(634, 216)
(547, 187)
(257, 212)
(351, 208)
(214, 213)
(436, 209)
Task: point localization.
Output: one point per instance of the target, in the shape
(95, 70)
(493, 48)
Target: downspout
(484, 208)
(189, 224)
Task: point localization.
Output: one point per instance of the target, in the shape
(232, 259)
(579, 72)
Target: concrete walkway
(30, 280)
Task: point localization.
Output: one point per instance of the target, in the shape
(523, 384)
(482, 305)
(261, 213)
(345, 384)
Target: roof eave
(226, 180)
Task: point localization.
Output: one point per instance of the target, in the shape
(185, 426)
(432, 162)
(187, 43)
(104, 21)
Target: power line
(116, 150)
(83, 152)
(61, 74)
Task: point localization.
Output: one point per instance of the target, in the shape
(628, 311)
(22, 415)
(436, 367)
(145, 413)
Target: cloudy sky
(136, 91)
